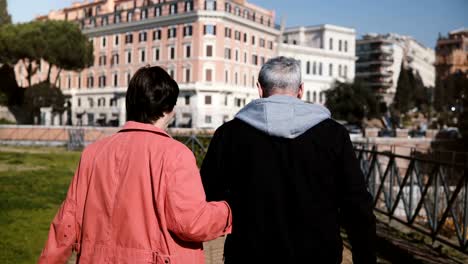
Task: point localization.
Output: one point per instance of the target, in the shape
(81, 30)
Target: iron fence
(427, 195)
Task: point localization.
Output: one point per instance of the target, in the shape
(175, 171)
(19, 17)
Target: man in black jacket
(291, 177)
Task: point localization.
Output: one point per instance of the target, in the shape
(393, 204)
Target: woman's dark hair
(151, 93)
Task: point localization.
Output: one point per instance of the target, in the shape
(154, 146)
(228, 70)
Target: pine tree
(5, 18)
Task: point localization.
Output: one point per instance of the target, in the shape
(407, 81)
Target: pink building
(212, 48)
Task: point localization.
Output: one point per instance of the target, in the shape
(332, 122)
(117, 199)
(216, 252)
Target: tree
(5, 18)
(60, 43)
(402, 100)
(352, 102)
(68, 49)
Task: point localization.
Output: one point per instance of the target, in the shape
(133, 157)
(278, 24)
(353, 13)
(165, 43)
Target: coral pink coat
(136, 197)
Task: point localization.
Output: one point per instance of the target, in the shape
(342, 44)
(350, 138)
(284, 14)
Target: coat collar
(137, 126)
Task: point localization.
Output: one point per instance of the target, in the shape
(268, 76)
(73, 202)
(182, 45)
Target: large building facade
(452, 53)
(380, 58)
(326, 53)
(213, 48)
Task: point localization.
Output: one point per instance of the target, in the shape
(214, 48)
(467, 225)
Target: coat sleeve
(64, 229)
(356, 206)
(188, 213)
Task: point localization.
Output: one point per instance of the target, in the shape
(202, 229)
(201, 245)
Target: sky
(422, 19)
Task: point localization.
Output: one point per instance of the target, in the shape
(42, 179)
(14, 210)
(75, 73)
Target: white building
(381, 56)
(327, 54)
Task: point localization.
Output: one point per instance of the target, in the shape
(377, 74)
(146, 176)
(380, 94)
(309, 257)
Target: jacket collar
(137, 126)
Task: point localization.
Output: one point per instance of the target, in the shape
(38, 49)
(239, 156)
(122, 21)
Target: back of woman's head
(151, 93)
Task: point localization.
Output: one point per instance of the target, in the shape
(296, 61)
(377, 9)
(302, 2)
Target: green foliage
(353, 102)
(33, 183)
(411, 92)
(5, 18)
(60, 43)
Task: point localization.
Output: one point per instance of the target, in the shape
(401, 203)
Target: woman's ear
(260, 90)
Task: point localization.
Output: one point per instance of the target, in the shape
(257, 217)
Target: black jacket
(289, 197)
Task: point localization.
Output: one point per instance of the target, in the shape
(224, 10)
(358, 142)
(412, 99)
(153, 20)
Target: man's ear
(300, 91)
(260, 90)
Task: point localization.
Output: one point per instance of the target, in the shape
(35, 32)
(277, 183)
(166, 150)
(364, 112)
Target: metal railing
(426, 195)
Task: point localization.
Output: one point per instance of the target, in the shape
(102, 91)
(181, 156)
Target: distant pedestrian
(291, 177)
(137, 196)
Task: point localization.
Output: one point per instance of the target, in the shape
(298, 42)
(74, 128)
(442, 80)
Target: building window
(171, 53)
(320, 69)
(226, 76)
(157, 11)
(144, 14)
(208, 119)
(236, 78)
(129, 57)
(79, 102)
(210, 5)
(117, 18)
(102, 60)
(129, 77)
(208, 99)
(209, 50)
(115, 59)
(116, 40)
(143, 36)
(237, 35)
(308, 67)
(330, 69)
(245, 79)
(339, 71)
(346, 46)
(79, 81)
(188, 31)
(188, 51)
(129, 38)
(308, 96)
(103, 42)
(314, 96)
(227, 53)
(254, 59)
(142, 55)
(245, 57)
(156, 54)
(157, 34)
(172, 32)
(187, 99)
(227, 32)
(322, 97)
(345, 71)
(314, 68)
(173, 9)
(330, 45)
(90, 82)
(113, 102)
(105, 21)
(339, 45)
(188, 6)
(90, 102)
(270, 45)
(237, 55)
(262, 43)
(209, 75)
(172, 73)
(116, 80)
(209, 29)
(237, 11)
(187, 75)
(227, 7)
(129, 16)
(253, 40)
(102, 81)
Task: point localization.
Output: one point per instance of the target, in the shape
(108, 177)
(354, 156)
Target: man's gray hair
(280, 73)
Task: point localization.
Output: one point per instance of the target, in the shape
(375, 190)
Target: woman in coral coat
(137, 196)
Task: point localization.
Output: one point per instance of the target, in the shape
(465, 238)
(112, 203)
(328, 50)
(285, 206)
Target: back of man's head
(280, 75)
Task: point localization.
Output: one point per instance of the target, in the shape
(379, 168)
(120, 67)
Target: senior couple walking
(280, 180)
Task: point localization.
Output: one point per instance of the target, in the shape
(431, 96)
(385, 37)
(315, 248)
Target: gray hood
(282, 115)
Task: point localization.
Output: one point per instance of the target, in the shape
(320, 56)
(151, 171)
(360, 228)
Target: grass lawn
(33, 183)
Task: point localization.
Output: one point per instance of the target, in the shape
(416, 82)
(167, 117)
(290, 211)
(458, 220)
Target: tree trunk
(49, 72)
(57, 78)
